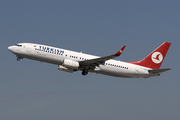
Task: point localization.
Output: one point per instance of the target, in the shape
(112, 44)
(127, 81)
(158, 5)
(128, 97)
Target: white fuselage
(56, 56)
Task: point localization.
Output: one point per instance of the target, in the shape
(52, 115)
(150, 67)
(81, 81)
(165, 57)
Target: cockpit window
(18, 45)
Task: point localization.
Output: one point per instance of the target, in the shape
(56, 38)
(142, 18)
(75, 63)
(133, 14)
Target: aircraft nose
(10, 48)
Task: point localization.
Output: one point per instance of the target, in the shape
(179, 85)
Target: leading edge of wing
(101, 60)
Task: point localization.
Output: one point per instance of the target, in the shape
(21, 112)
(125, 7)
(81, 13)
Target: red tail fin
(154, 59)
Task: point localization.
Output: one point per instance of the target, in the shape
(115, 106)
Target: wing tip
(120, 51)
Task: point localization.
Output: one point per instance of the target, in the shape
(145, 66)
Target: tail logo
(157, 57)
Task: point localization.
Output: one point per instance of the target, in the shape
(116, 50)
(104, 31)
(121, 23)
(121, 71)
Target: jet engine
(70, 64)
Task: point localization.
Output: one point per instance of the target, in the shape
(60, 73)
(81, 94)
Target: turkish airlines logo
(157, 57)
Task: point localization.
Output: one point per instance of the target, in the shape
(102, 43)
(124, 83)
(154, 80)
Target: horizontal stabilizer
(159, 70)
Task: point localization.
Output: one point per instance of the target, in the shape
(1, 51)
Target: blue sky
(33, 90)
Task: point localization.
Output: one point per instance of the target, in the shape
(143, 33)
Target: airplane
(71, 61)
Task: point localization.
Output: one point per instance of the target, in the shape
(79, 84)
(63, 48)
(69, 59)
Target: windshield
(18, 45)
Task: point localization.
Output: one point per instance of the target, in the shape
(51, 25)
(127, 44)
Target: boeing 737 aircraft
(71, 61)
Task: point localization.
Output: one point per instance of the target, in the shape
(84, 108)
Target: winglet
(120, 51)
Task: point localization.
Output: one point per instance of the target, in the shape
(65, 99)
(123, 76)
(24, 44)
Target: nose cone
(10, 48)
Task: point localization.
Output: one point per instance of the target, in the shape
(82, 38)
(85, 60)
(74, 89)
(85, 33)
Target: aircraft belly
(116, 72)
(49, 59)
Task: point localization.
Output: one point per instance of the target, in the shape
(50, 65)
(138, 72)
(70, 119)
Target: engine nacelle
(60, 67)
(70, 64)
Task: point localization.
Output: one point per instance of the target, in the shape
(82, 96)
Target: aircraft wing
(98, 61)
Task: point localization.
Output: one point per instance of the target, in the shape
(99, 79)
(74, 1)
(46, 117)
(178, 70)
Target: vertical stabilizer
(154, 59)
